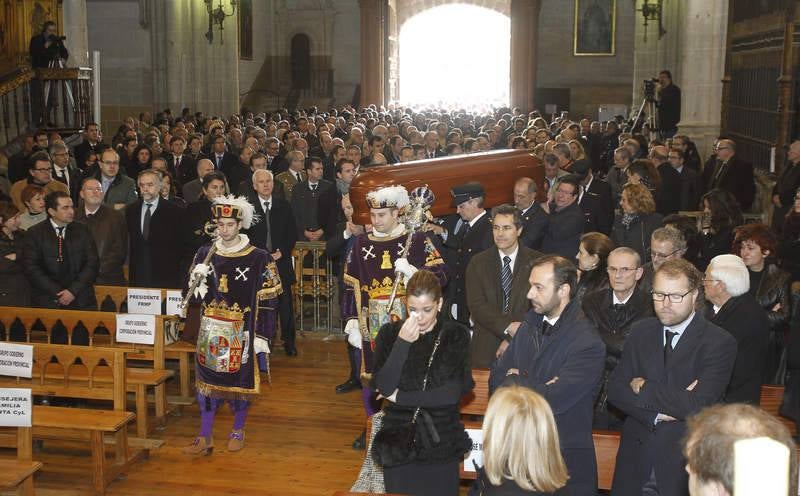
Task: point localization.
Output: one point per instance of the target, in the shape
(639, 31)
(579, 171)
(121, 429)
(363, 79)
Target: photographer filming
(46, 50)
(669, 105)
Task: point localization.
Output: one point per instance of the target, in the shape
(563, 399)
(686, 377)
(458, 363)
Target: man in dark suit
(474, 237)
(91, 142)
(594, 199)
(731, 174)
(613, 311)
(672, 366)
(108, 230)
(784, 191)
(60, 258)
(566, 220)
(156, 241)
(690, 189)
(275, 232)
(432, 149)
(305, 202)
(181, 166)
(497, 287)
(275, 162)
(668, 198)
(557, 353)
(222, 159)
(534, 218)
(733, 308)
(63, 172)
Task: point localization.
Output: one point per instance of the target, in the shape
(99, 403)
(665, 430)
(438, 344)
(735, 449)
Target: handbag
(370, 477)
(397, 445)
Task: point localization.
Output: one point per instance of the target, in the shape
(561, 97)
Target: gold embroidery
(223, 284)
(386, 261)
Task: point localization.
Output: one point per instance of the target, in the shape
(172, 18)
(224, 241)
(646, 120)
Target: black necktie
(718, 175)
(146, 223)
(178, 166)
(60, 243)
(313, 187)
(297, 175)
(546, 328)
(269, 228)
(668, 349)
(505, 278)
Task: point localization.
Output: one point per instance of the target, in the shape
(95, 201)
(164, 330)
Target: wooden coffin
(497, 171)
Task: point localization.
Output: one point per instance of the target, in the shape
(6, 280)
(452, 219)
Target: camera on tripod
(649, 89)
(57, 39)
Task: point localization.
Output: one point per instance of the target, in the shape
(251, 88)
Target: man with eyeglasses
(566, 221)
(731, 174)
(666, 243)
(673, 365)
(733, 308)
(613, 310)
(63, 171)
(109, 231)
(119, 190)
(40, 173)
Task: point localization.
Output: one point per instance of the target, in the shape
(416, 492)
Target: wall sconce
(217, 17)
(651, 11)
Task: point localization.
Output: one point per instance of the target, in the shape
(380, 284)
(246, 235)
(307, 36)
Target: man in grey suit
(497, 287)
(194, 188)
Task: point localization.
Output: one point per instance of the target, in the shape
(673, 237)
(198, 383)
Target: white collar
(550, 321)
(56, 226)
(681, 327)
(88, 213)
(397, 231)
(153, 203)
(239, 246)
(523, 212)
(264, 200)
(512, 256)
(477, 218)
(716, 309)
(617, 301)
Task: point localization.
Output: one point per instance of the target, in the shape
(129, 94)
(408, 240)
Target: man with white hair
(726, 284)
(371, 266)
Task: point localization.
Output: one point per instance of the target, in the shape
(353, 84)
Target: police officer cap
(464, 192)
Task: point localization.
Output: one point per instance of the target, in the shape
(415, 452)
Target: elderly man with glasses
(666, 243)
(673, 365)
(731, 174)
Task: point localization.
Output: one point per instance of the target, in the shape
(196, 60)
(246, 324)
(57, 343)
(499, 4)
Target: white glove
(401, 265)
(261, 345)
(353, 333)
(201, 271)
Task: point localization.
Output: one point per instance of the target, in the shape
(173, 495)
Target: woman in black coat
(721, 215)
(769, 285)
(14, 287)
(638, 220)
(422, 369)
(592, 256)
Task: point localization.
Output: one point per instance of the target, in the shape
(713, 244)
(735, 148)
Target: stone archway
(406, 9)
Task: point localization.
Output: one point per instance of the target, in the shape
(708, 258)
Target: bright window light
(455, 56)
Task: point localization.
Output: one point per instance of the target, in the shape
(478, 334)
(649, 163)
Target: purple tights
(208, 409)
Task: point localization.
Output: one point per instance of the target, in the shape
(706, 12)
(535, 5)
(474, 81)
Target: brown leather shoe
(236, 441)
(199, 447)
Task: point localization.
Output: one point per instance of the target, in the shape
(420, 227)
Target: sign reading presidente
(15, 407)
(475, 456)
(174, 299)
(132, 328)
(16, 359)
(147, 301)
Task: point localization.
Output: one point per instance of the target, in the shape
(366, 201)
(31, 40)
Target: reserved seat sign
(15, 407)
(136, 328)
(146, 301)
(16, 360)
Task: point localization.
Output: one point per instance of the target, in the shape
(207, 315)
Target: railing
(50, 98)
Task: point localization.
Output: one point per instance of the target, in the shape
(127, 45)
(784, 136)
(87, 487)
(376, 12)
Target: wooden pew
(771, 399)
(179, 350)
(17, 473)
(138, 379)
(90, 373)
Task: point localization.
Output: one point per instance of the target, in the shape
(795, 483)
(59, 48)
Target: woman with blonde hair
(577, 150)
(521, 450)
(638, 220)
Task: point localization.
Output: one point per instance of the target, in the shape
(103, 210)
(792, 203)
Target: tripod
(70, 100)
(647, 114)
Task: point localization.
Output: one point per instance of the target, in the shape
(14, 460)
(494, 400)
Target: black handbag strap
(428, 369)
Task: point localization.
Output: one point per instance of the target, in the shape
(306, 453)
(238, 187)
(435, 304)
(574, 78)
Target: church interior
(683, 115)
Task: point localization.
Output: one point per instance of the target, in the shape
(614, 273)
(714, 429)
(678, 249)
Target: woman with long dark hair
(721, 214)
(422, 369)
(592, 257)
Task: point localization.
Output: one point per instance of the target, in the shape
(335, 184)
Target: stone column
(653, 54)
(704, 42)
(373, 36)
(524, 43)
(76, 31)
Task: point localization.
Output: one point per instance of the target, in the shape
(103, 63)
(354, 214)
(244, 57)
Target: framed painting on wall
(594, 32)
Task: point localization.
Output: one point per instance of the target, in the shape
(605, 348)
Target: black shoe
(347, 386)
(290, 351)
(361, 441)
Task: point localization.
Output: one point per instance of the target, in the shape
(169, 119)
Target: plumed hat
(388, 197)
(233, 207)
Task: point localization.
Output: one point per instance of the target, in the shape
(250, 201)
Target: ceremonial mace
(210, 229)
(421, 200)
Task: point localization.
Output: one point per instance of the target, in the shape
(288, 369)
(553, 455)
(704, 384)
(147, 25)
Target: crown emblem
(221, 310)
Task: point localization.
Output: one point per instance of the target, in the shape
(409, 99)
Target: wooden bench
(89, 373)
(770, 402)
(138, 379)
(17, 473)
(179, 350)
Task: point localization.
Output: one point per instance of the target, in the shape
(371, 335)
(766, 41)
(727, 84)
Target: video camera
(649, 89)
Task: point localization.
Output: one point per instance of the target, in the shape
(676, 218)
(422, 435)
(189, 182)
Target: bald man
(732, 174)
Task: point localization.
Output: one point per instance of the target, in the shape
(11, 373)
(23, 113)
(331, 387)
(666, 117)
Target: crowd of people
(589, 298)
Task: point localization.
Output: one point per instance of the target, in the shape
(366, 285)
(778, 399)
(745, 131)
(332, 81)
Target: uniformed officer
(474, 237)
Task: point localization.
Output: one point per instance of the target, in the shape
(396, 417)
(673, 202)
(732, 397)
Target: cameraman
(45, 49)
(669, 105)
